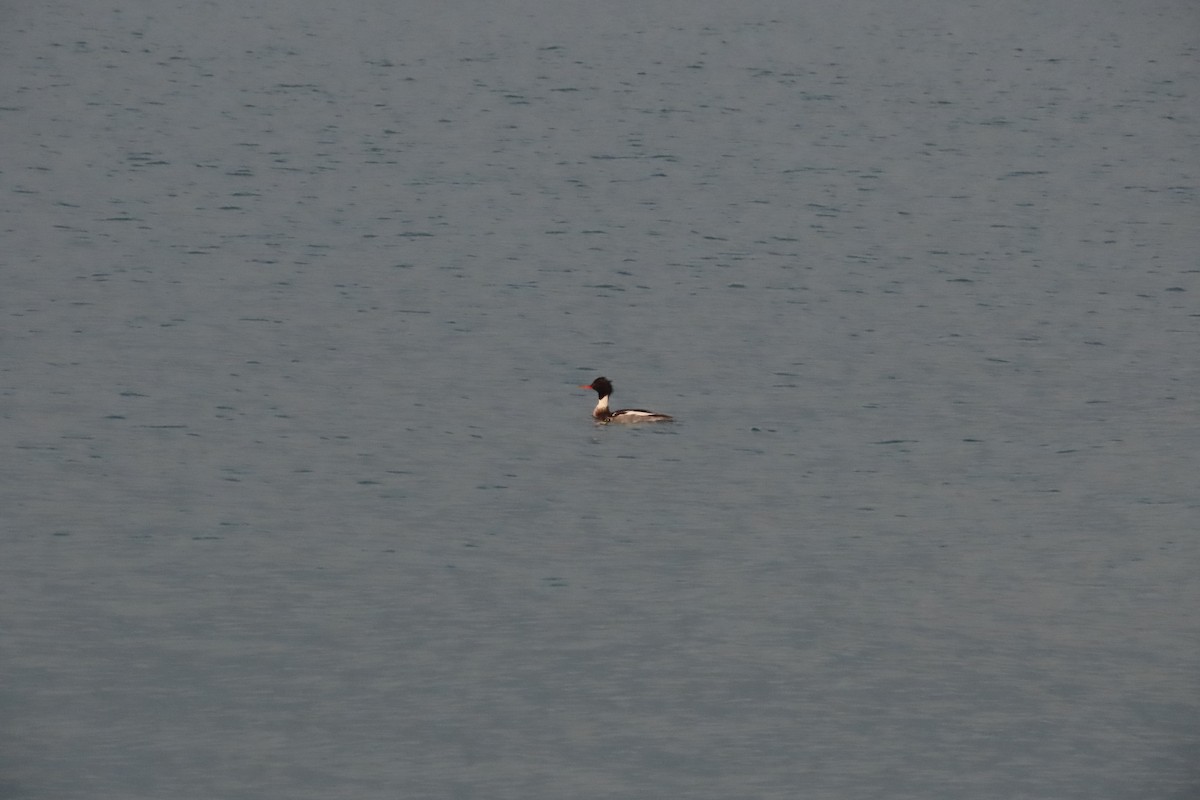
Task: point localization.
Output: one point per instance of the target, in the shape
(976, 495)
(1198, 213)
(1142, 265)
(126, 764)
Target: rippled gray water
(301, 501)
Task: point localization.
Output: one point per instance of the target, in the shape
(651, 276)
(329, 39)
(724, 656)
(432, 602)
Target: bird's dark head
(601, 386)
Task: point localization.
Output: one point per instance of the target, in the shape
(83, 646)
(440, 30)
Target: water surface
(301, 499)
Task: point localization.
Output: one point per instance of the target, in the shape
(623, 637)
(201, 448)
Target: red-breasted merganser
(603, 387)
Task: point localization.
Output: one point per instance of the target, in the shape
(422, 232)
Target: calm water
(300, 500)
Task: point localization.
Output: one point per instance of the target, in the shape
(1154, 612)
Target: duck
(602, 415)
